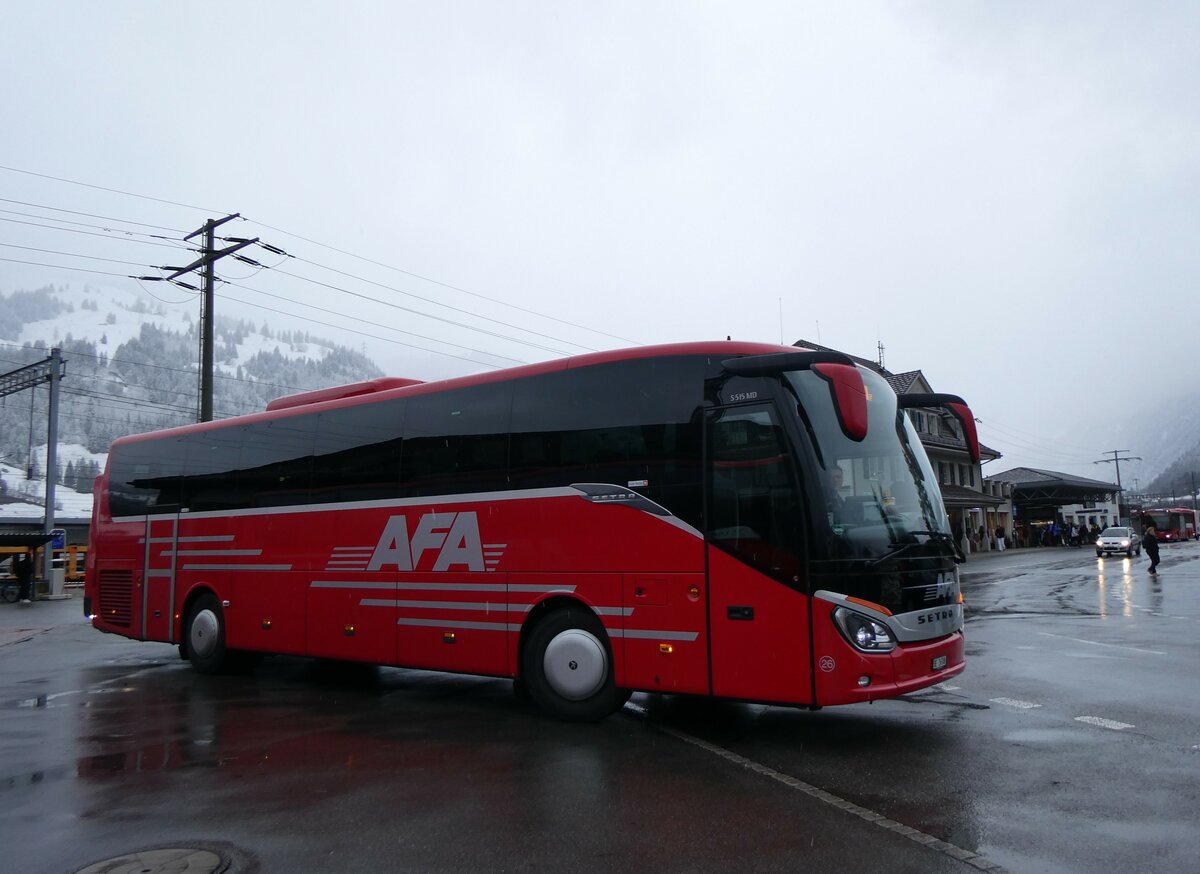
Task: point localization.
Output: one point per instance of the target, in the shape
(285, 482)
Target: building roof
(902, 383)
(1031, 484)
(960, 496)
(1032, 476)
(30, 539)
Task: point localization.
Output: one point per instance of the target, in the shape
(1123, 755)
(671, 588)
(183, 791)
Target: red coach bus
(1172, 524)
(727, 519)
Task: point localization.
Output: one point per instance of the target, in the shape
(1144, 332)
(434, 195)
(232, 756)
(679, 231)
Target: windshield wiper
(935, 536)
(943, 537)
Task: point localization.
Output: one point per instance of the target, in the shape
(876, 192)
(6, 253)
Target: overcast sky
(1002, 194)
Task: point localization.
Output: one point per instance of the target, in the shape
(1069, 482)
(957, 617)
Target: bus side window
(276, 461)
(356, 453)
(456, 442)
(632, 424)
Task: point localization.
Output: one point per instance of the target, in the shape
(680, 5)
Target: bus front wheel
(567, 667)
(205, 635)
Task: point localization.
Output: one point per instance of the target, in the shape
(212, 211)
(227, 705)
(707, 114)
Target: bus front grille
(116, 597)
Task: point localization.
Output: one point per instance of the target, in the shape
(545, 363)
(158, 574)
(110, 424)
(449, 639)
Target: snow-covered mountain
(132, 366)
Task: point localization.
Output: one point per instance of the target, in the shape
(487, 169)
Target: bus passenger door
(158, 581)
(758, 613)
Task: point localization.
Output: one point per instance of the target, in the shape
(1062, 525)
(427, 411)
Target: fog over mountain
(1166, 436)
(132, 366)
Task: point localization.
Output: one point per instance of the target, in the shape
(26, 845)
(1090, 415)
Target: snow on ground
(68, 503)
(120, 314)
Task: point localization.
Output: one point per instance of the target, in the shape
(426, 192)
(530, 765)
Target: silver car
(1118, 539)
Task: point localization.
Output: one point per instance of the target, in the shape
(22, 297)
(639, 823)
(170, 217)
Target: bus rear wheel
(566, 667)
(205, 635)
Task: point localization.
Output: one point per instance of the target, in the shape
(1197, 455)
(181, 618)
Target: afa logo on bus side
(452, 537)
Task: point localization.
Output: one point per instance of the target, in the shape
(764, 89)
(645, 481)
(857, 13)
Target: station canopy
(29, 539)
(1051, 488)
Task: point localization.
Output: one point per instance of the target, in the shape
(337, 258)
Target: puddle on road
(33, 778)
(61, 699)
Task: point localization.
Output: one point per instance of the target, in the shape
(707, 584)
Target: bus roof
(394, 387)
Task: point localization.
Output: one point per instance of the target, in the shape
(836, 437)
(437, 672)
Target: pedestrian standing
(24, 568)
(1150, 544)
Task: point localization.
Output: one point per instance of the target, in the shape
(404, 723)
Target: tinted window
(456, 442)
(144, 477)
(633, 423)
(210, 469)
(357, 453)
(276, 461)
(754, 506)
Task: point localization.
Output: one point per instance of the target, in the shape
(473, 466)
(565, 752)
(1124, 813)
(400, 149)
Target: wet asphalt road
(1071, 744)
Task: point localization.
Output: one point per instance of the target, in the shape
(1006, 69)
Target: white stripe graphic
(640, 634)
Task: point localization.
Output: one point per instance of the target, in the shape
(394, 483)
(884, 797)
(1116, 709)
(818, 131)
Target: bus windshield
(880, 492)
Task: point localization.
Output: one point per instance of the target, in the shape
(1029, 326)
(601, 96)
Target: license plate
(939, 663)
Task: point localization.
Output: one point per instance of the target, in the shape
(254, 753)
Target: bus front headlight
(863, 632)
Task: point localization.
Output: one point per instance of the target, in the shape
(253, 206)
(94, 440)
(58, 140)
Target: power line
(443, 284)
(126, 236)
(65, 267)
(323, 245)
(397, 330)
(110, 190)
(185, 370)
(88, 215)
(109, 228)
(332, 248)
(72, 255)
(133, 402)
(1030, 436)
(360, 333)
(434, 302)
(191, 297)
(428, 315)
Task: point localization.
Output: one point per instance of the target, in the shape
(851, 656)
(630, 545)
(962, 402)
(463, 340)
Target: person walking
(1150, 544)
(24, 569)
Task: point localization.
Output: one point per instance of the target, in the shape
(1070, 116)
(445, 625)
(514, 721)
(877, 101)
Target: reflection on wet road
(1069, 745)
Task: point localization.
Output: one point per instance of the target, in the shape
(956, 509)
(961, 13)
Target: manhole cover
(174, 860)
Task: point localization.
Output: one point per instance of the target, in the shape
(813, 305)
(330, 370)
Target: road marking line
(926, 840)
(1097, 643)
(1104, 723)
(940, 687)
(1013, 702)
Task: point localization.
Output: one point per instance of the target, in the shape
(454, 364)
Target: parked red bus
(662, 519)
(1171, 524)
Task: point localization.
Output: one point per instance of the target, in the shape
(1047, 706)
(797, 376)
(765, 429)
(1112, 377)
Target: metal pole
(51, 457)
